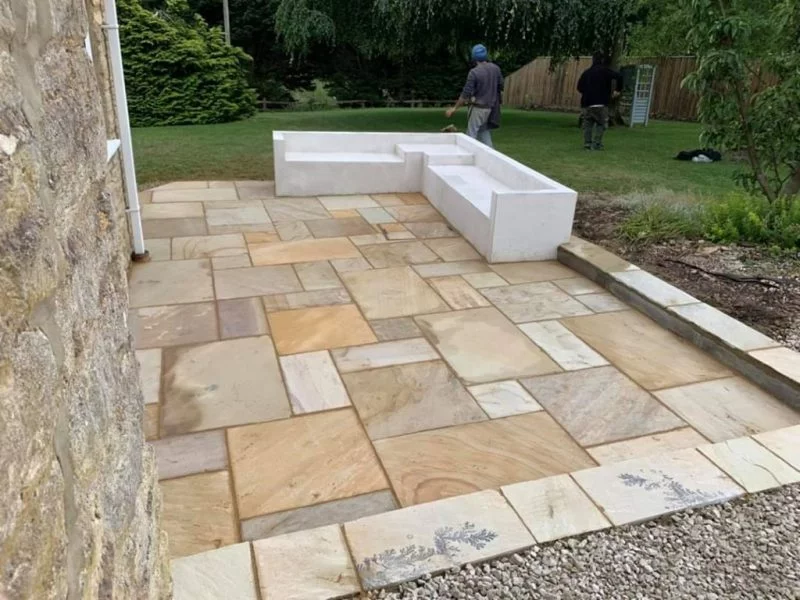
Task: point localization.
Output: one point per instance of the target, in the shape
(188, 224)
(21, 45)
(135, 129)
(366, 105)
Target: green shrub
(178, 71)
(753, 219)
(658, 222)
(317, 98)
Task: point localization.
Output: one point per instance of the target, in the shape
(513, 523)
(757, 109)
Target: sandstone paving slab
(567, 349)
(256, 281)
(644, 488)
(219, 263)
(194, 195)
(346, 265)
(222, 573)
(247, 214)
(577, 286)
(256, 190)
(306, 565)
(330, 228)
(414, 212)
(190, 454)
(376, 215)
(412, 198)
(783, 360)
(408, 398)
(453, 249)
(351, 202)
(534, 302)
(302, 251)
(647, 353)
(478, 342)
(168, 228)
(601, 303)
(451, 268)
(161, 326)
(292, 231)
(207, 246)
(369, 239)
(241, 317)
(750, 464)
(431, 465)
(402, 545)
(600, 405)
(159, 248)
(458, 293)
(173, 282)
(533, 272)
(259, 228)
(426, 230)
(554, 507)
(320, 328)
(504, 399)
(654, 289)
(400, 328)
(295, 209)
(222, 384)
(185, 210)
(397, 254)
(384, 354)
(150, 374)
(731, 331)
(484, 280)
(332, 297)
(261, 237)
(197, 513)
(313, 382)
(182, 185)
(784, 442)
(394, 292)
(329, 513)
(317, 276)
(345, 214)
(597, 257)
(728, 408)
(387, 199)
(312, 459)
(657, 443)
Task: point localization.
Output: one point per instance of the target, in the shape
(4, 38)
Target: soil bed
(748, 283)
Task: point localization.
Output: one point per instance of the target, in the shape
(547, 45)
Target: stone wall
(79, 503)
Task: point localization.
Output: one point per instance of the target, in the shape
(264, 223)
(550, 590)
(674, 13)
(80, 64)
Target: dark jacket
(596, 84)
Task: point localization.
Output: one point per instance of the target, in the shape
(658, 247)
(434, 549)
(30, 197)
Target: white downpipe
(121, 100)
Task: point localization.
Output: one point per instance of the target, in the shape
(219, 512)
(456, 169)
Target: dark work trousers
(595, 123)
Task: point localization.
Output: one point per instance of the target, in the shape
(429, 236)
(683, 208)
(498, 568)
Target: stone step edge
(609, 271)
(504, 506)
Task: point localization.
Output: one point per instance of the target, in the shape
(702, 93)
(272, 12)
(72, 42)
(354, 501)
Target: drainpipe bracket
(140, 258)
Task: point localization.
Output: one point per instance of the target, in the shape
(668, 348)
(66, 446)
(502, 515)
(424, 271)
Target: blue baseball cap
(479, 52)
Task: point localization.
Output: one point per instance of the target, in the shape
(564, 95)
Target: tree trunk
(792, 187)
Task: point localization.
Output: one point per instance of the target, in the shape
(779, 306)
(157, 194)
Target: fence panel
(535, 85)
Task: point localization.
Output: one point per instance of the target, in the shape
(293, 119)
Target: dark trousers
(595, 123)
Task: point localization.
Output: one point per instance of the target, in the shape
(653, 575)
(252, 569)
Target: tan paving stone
(219, 263)
(600, 405)
(191, 454)
(457, 292)
(313, 459)
(453, 249)
(647, 353)
(223, 573)
(577, 286)
(387, 199)
(347, 202)
(208, 246)
(750, 464)
(261, 237)
(654, 289)
(531, 272)
(292, 231)
(376, 215)
(174, 282)
(256, 281)
(344, 214)
(597, 256)
(346, 265)
(784, 442)
(394, 292)
(183, 210)
(159, 249)
(313, 382)
(601, 303)
(411, 213)
(197, 513)
(426, 230)
(331, 297)
(408, 398)
(484, 280)
(534, 302)
(384, 354)
(331, 228)
(564, 347)
(241, 317)
(221, 384)
(784, 360)
(168, 228)
(150, 374)
(658, 443)
(194, 195)
(249, 214)
(731, 331)
(159, 326)
(397, 254)
(321, 328)
(400, 328)
(302, 251)
(478, 342)
(256, 191)
(504, 399)
(728, 408)
(317, 276)
(183, 185)
(413, 198)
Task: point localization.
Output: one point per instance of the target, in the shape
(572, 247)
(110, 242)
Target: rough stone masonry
(79, 503)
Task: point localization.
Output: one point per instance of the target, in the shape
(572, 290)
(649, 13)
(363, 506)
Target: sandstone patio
(310, 361)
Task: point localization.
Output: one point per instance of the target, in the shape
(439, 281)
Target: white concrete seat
(473, 183)
(354, 157)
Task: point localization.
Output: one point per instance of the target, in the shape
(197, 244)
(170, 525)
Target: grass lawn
(635, 159)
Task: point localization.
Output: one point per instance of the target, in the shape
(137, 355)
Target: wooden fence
(535, 86)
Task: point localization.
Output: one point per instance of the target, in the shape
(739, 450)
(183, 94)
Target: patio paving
(304, 366)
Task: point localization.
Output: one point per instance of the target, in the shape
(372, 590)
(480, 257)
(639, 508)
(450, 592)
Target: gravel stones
(748, 548)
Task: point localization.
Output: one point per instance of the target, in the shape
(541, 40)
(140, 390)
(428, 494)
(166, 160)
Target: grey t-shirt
(484, 83)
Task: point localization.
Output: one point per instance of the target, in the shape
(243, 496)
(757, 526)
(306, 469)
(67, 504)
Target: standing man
(596, 86)
(484, 86)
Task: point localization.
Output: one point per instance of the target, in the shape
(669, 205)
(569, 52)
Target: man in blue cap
(484, 87)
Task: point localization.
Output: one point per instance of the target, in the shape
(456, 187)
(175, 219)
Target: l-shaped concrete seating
(508, 211)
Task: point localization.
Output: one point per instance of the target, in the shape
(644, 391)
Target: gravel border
(747, 548)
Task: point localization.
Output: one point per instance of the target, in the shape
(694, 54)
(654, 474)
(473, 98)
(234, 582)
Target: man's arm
(467, 93)
(582, 83)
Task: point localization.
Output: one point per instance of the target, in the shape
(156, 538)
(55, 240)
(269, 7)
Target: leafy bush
(178, 71)
(317, 98)
(736, 218)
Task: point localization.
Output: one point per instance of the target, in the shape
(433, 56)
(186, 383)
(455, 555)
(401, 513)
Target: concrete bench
(508, 211)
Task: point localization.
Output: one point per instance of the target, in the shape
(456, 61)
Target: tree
(748, 83)
(178, 70)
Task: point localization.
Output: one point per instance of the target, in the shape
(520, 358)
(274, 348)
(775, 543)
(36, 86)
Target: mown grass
(635, 159)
